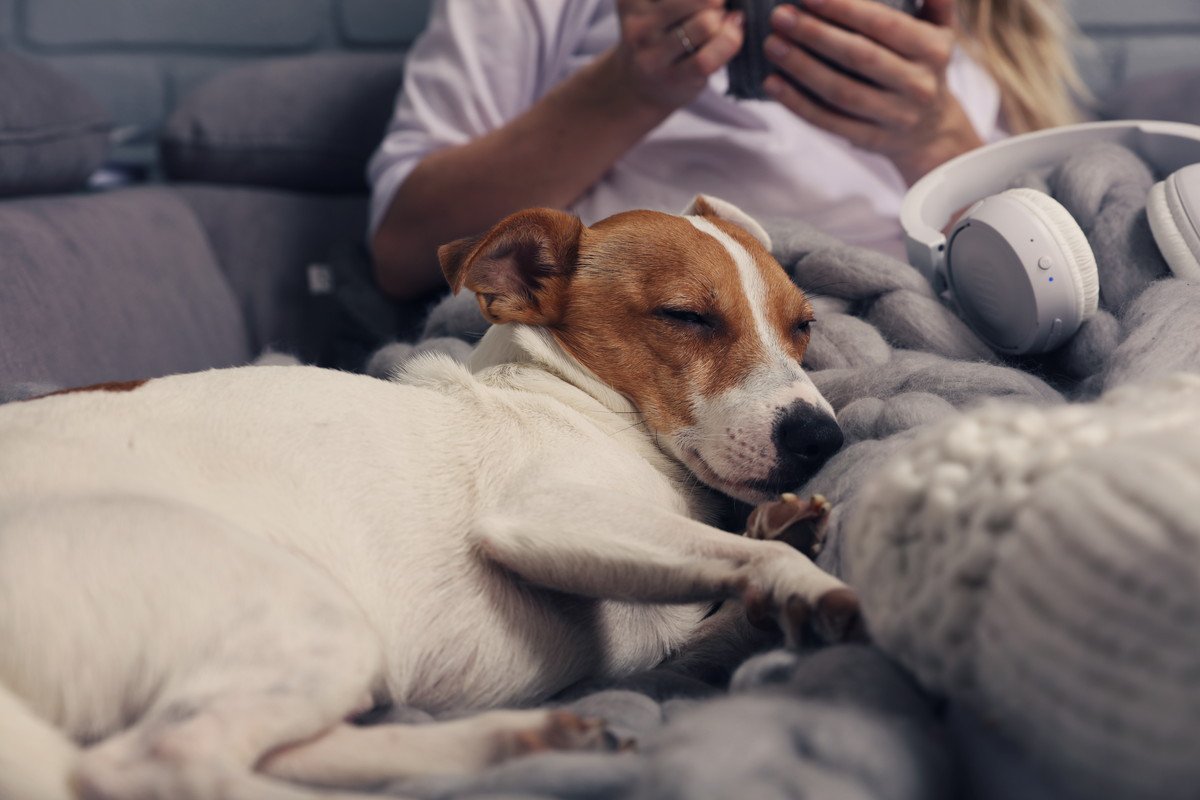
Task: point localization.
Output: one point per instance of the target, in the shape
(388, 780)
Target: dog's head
(689, 317)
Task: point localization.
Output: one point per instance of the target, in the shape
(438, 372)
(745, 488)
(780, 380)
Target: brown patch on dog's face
(659, 311)
(786, 308)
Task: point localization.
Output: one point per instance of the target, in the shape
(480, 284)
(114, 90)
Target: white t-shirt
(480, 63)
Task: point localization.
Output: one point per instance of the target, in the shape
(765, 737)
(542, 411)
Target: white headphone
(1019, 266)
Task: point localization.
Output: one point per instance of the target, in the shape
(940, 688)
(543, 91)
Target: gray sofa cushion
(53, 135)
(1173, 96)
(265, 241)
(110, 287)
(308, 123)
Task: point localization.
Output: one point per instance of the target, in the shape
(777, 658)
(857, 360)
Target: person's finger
(689, 37)
(673, 12)
(644, 23)
(940, 12)
(864, 56)
(848, 94)
(912, 38)
(858, 133)
(719, 49)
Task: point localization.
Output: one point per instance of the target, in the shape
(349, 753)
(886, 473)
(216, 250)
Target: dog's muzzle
(805, 438)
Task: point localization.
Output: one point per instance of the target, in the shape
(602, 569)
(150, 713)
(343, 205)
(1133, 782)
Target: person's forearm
(548, 156)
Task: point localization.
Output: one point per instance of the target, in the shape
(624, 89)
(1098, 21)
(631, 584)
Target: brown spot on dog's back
(110, 386)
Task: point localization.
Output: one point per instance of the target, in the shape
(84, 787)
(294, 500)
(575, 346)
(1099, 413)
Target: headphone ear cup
(1021, 271)
(1072, 244)
(1174, 230)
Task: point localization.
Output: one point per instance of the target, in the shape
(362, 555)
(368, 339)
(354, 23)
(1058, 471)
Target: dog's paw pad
(838, 617)
(799, 523)
(563, 730)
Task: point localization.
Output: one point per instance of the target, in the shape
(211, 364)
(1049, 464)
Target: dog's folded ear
(519, 269)
(704, 205)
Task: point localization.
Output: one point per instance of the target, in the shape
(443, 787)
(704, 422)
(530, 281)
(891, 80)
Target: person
(598, 106)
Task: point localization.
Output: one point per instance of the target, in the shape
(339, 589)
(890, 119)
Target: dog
(204, 576)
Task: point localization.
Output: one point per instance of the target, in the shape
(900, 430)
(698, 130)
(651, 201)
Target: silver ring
(688, 47)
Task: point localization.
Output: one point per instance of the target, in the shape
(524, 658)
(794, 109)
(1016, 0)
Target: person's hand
(669, 48)
(904, 109)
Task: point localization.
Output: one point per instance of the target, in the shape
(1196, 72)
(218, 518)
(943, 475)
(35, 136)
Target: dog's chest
(508, 644)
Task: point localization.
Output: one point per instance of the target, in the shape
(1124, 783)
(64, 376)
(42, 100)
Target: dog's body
(207, 568)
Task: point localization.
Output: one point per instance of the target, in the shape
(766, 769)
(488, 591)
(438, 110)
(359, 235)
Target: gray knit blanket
(1024, 535)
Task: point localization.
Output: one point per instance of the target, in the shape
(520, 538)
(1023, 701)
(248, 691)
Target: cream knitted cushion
(1042, 565)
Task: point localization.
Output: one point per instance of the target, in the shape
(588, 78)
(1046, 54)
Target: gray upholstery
(1172, 96)
(53, 135)
(264, 240)
(111, 287)
(295, 123)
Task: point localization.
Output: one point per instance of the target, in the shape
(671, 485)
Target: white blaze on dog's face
(687, 316)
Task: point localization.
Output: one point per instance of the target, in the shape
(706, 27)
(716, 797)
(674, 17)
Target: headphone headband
(932, 200)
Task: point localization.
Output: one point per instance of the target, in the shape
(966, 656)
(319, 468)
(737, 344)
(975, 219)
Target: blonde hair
(1025, 45)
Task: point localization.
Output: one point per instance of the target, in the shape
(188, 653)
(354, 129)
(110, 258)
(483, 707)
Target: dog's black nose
(807, 437)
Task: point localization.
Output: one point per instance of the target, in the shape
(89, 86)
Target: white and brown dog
(202, 577)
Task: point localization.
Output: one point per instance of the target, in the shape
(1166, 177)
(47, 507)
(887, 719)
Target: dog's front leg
(591, 542)
(726, 637)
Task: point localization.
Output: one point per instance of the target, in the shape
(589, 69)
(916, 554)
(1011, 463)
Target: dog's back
(313, 462)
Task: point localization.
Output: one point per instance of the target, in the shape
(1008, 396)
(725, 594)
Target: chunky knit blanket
(1024, 535)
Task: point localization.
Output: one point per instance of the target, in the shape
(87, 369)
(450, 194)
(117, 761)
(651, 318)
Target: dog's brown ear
(453, 259)
(520, 269)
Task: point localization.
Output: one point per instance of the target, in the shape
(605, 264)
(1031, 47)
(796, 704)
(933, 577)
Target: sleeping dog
(203, 576)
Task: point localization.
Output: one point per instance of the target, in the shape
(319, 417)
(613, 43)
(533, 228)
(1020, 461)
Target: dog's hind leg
(196, 648)
(359, 757)
(276, 680)
(207, 731)
(36, 760)
(587, 541)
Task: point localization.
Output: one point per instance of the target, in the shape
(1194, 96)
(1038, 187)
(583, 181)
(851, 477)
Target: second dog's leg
(587, 541)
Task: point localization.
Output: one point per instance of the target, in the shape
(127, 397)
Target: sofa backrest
(141, 57)
(114, 286)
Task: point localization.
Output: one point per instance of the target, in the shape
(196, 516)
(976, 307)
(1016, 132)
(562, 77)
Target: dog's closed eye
(688, 318)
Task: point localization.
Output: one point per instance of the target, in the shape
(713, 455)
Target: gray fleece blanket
(1022, 532)
(902, 371)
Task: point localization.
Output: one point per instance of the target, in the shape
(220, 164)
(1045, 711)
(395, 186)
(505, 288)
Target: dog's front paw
(796, 522)
(786, 589)
(559, 730)
(835, 617)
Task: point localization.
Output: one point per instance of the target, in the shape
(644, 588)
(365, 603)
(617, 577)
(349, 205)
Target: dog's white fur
(202, 577)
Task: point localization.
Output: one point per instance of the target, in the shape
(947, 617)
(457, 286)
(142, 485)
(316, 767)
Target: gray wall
(140, 56)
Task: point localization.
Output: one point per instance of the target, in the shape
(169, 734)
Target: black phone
(749, 68)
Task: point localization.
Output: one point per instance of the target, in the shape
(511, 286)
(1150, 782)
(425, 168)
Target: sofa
(249, 244)
(252, 244)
